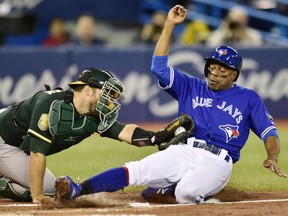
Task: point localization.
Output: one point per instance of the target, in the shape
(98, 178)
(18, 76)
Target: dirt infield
(227, 202)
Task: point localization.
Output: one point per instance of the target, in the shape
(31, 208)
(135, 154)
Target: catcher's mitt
(165, 137)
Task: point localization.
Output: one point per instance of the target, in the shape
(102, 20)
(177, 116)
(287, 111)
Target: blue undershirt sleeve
(160, 69)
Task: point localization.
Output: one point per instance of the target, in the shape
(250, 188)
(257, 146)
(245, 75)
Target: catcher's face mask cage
(227, 56)
(108, 105)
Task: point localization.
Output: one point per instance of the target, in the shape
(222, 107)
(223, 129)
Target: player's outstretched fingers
(269, 164)
(280, 173)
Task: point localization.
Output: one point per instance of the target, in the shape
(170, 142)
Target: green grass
(94, 155)
(249, 173)
(97, 154)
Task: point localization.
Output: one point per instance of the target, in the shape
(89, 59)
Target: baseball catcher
(53, 120)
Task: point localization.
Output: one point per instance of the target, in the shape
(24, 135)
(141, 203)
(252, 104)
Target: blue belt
(211, 148)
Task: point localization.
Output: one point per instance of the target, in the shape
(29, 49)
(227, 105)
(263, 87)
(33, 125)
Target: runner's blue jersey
(223, 118)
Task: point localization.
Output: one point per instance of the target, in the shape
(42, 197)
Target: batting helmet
(227, 56)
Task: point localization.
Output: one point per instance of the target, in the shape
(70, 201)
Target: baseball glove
(165, 137)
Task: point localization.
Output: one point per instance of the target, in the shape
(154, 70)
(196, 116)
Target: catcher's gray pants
(14, 165)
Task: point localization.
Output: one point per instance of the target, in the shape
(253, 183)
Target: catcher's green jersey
(33, 116)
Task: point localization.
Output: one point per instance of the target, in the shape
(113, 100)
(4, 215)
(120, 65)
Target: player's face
(95, 96)
(220, 77)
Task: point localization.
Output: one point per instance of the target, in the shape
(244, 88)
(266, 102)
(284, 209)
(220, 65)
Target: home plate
(212, 200)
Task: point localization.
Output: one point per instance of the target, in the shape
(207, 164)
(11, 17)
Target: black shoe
(159, 194)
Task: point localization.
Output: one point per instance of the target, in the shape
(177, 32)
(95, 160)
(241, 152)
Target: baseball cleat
(66, 189)
(150, 193)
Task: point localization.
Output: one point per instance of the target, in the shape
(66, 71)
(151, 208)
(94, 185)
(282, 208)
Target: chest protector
(63, 126)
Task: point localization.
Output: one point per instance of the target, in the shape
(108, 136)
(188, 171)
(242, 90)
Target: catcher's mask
(111, 90)
(226, 56)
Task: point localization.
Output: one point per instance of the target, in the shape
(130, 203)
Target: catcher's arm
(165, 137)
(37, 172)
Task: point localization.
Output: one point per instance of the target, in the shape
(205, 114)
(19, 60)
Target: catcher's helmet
(94, 77)
(111, 90)
(227, 56)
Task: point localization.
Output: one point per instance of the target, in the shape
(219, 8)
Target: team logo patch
(231, 131)
(222, 52)
(43, 122)
(270, 117)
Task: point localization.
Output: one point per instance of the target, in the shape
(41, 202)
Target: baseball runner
(54, 120)
(223, 113)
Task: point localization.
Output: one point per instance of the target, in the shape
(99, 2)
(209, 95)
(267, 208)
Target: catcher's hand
(165, 137)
